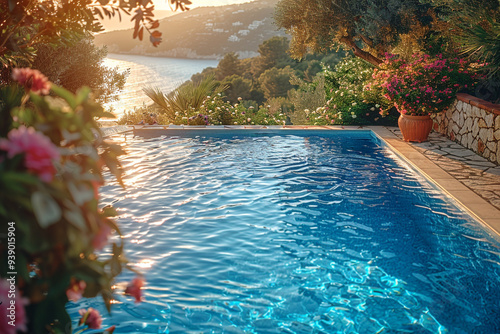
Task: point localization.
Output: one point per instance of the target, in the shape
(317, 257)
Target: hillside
(205, 32)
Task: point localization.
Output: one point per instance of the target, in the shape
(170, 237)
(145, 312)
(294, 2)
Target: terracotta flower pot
(415, 128)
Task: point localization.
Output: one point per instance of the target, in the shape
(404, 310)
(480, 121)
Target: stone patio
(475, 172)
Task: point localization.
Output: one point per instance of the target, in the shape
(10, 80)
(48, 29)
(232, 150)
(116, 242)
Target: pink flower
(134, 288)
(91, 318)
(38, 151)
(110, 329)
(12, 315)
(32, 80)
(101, 238)
(75, 290)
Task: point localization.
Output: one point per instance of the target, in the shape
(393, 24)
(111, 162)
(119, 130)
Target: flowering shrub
(423, 85)
(31, 80)
(39, 152)
(348, 102)
(50, 172)
(215, 111)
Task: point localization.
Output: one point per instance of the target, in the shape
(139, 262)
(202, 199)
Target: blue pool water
(294, 232)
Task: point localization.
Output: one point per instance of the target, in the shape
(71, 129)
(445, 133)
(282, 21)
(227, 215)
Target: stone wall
(473, 123)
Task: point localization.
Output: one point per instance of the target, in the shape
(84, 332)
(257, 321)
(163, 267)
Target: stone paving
(475, 172)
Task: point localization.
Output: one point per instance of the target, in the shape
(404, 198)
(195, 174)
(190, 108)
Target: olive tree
(367, 27)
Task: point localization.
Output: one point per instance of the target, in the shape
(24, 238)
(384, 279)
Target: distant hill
(115, 23)
(204, 32)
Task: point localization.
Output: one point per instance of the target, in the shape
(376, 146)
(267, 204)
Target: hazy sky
(162, 4)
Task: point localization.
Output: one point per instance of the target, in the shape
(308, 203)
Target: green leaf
(46, 209)
(66, 95)
(80, 193)
(76, 219)
(82, 95)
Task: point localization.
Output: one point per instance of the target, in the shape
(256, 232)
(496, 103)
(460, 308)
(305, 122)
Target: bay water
(163, 73)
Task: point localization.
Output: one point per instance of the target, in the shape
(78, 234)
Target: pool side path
(470, 179)
(467, 177)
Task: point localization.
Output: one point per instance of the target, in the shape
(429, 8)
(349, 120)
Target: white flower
(377, 105)
(249, 119)
(342, 94)
(372, 108)
(354, 116)
(354, 103)
(239, 99)
(235, 123)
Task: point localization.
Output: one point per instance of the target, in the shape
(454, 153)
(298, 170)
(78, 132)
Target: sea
(159, 72)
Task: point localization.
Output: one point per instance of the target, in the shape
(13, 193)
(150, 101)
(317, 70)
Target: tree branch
(358, 52)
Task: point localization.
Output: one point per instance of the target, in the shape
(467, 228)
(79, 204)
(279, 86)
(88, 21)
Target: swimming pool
(294, 232)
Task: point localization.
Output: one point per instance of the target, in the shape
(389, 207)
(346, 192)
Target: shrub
(50, 173)
(189, 96)
(308, 96)
(425, 84)
(348, 102)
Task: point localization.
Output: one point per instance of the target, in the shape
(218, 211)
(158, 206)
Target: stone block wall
(473, 123)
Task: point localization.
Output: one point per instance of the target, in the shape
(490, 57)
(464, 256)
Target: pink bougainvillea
(90, 317)
(75, 290)
(101, 238)
(12, 315)
(39, 152)
(134, 288)
(32, 80)
(423, 84)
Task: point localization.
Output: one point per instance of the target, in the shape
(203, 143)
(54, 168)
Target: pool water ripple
(297, 233)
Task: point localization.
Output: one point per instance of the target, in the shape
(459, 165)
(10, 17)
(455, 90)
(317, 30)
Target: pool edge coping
(476, 206)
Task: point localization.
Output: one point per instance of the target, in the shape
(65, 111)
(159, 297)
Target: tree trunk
(347, 40)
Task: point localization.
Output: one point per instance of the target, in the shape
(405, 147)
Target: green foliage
(80, 65)
(272, 53)
(308, 96)
(58, 224)
(237, 87)
(189, 96)
(25, 24)
(425, 84)
(348, 102)
(228, 66)
(215, 110)
(276, 82)
(143, 115)
(476, 30)
(369, 28)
